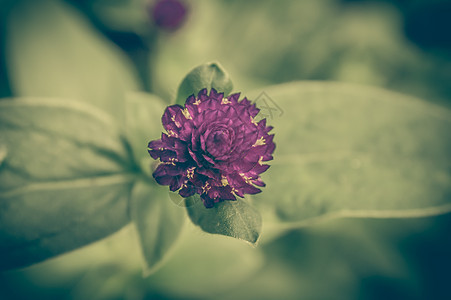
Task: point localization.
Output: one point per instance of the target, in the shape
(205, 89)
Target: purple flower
(213, 147)
(168, 14)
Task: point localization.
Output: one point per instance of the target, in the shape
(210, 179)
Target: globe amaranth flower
(213, 147)
(168, 14)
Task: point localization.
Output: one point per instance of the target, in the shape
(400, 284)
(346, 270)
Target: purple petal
(213, 147)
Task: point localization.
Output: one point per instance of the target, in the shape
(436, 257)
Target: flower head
(213, 147)
(168, 14)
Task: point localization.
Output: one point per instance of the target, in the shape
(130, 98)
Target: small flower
(168, 14)
(213, 147)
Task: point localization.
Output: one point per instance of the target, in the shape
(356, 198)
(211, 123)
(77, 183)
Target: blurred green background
(403, 46)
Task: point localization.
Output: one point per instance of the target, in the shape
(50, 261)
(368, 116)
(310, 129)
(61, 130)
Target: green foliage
(52, 51)
(158, 222)
(209, 75)
(143, 113)
(205, 265)
(265, 42)
(230, 218)
(337, 252)
(347, 150)
(68, 176)
(64, 179)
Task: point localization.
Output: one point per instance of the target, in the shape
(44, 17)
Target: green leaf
(255, 61)
(65, 180)
(230, 218)
(340, 252)
(52, 51)
(158, 222)
(205, 265)
(353, 151)
(143, 123)
(209, 75)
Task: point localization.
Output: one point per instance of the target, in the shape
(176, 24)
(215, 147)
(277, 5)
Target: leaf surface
(209, 75)
(230, 218)
(54, 52)
(350, 150)
(65, 179)
(158, 222)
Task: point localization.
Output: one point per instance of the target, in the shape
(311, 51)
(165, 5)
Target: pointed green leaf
(209, 75)
(230, 218)
(53, 51)
(158, 222)
(65, 179)
(349, 150)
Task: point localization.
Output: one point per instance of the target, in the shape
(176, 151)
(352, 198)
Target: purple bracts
(213, 147)
(169, 14)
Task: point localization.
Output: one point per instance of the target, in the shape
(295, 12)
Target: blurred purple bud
(168, 14)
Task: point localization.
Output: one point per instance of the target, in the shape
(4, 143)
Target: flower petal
(213, 147)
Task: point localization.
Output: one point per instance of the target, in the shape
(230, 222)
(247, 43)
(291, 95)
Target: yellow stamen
(172, 133)
(176, 122)
(246, 178)
(206, 188)
(187, 114)
(261, 141)
(190, 173)
(224, 181)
